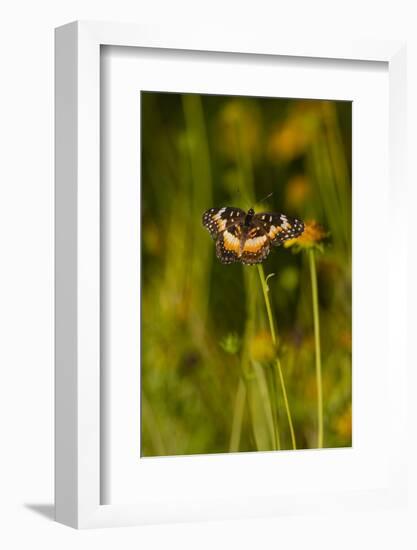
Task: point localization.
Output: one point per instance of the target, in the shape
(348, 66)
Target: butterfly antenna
(267, 197)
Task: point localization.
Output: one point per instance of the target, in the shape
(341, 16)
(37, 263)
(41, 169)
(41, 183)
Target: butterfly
(248, 237)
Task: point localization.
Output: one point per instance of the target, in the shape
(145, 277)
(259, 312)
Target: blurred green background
(208, 378)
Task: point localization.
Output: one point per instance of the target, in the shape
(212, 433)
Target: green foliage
(212, 376)
(231, 343)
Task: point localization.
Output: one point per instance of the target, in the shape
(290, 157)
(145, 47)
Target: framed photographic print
(221, 297)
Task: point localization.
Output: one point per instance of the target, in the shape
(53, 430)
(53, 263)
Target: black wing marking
(217, 220)
(278, 227)
(256, 256)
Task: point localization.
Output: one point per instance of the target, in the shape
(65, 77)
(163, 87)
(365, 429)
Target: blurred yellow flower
(297, 191)
(343, 423)
(239, 128)
(261, 347)
(291, 138)
(345, 339)
(287, 142)
(312, 236)
(151, 238)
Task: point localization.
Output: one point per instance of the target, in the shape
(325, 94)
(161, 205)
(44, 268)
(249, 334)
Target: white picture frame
(78, 501)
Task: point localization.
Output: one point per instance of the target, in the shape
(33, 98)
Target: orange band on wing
(273, 231)
(231, 242)
(254, 245)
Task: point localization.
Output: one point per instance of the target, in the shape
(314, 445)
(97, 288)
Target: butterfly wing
(236, 242)
(228, 244)
(256, 246)
(216, 220)
(278, 227)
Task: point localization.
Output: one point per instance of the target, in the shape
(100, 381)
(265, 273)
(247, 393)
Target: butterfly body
(249, 216)
(248, 237)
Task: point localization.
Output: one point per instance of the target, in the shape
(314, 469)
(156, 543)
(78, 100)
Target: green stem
(265, 291)
(275, 411)
(316, 319)
(254, 376)
(200, 193)
(238, 411)
(287, 406)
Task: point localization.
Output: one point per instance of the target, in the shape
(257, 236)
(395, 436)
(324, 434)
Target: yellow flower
(261, 347)
(343, 423)
(297, 192)
(151, 238)
(239, 129)
(312, 236)
(345, 339)
(294, 135)
(287, 142)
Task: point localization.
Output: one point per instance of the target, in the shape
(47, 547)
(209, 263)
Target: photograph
(246, 273)
(208, 313)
